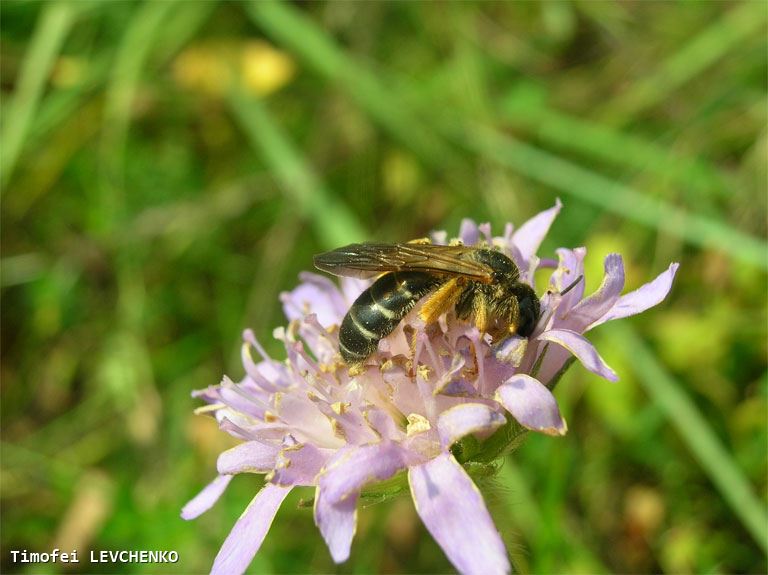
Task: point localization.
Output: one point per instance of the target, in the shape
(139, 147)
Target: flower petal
(204, 500)
(466, 418)
(599, 303)
(299, 464)
(306, 420)
(337, 523)
(383, 424)
(511, 350)
(485, 229)
(529, 236)
(439, 237)
(354, 467)
(468, 232)
(642, 298)
(570, 267)
(245, 428)
(247, 535)
(248, 457)
(315, 294)
(531, 404)
(352, 288)
(454, 512)
(584, 351)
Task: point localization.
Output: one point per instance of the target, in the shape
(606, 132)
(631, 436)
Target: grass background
(168, 168)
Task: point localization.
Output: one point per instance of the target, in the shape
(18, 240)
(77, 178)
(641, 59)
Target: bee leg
(513, 316)
(443, 299)
(420, 241)
(480, 313)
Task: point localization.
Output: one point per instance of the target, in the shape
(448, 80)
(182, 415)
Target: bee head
(528, 304)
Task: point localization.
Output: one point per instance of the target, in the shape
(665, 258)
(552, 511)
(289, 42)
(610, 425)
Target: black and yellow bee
(480, 283)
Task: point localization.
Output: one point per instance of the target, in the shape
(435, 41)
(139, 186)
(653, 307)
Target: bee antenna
(572, 285)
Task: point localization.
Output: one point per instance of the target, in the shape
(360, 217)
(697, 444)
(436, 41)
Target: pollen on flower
(312, 421)
(386, 365)
(340, 407)
(338, 429)
(417, 424)
(356, 369)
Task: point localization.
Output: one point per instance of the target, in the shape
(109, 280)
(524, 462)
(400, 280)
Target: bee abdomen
(379, 309)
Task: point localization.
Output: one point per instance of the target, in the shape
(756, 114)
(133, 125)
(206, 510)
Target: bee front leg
(444, 298)
(480, 312)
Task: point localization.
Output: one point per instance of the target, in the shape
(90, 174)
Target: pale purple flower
(307, 421)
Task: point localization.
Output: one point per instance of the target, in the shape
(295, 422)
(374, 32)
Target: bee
(480, 283)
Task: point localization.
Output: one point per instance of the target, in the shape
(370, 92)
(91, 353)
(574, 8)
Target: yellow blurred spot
(693, 339)
(644, 509)
(402, 527)
(401, 177)
(264, 69)
(68, 72)
(203, 68)
(211, 68)
(144, 417)
(205, 437)
(85, 516)
(681, 546)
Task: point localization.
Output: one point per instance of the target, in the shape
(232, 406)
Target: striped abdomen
(379, 309)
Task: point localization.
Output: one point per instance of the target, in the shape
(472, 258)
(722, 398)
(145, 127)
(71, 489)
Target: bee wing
(369, 260)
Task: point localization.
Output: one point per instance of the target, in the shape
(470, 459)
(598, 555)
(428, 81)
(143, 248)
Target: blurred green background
(168, 168)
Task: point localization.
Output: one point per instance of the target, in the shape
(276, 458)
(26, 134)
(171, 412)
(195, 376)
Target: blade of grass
(63, 108)
(132, 54)
(125, 366)
(319, 50)
(61, 104)
(611, 145)
(188, 19)
(525, 111)
(335, 224)
(215, 207)
(529, 517)
(299, 33)
(22, 268)
(51, 30)
(89, 415)
(714, 459)
(47, 158)
(615, 197)
(52, 468)
(599, 190)
(712, 44)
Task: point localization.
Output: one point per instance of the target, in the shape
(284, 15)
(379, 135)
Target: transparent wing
(369, 260)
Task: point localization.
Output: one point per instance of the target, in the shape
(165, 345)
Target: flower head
(429, 399)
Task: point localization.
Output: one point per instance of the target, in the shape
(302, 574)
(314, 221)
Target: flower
(431, 398)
